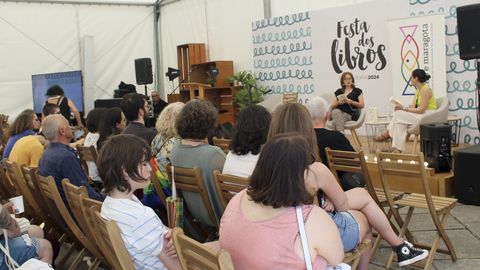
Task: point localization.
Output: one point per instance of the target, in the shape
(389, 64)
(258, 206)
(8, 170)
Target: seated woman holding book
(405, 116)
(347, 104)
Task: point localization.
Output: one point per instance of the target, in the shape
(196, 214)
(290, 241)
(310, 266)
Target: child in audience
(249, 134)
(259, 227)
(294, 117)
(124, 167)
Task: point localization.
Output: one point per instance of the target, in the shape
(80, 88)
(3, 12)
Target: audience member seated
(50, 108)
(319, 111)
(353, 225)
(56, 96)
(24, 125)
(61, 161)
(259, 227)
(162, 146)
(346, 108)
(193, 124)
(423, 103)
(221, 131)
(124, 167)
(112, 123)
(249, 134)
(22, 247)
(28, 150)
(93, 120)
(157, 103)
(135, 108)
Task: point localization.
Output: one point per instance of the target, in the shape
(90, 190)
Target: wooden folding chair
(224, 144)
(229, 185)
(191, 180)
(74, 196)
(158, 188)
(16, 178)
(111, 241)
(193, 255)
(87, 154)
(59, 211)
(30, 178)
(353, 257)
(412, 168)
(290, 98)
(354, 162)
(7, 189)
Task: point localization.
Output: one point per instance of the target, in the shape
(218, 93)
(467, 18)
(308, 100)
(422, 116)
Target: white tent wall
(285, 7)
(42, 38)
(223, 25)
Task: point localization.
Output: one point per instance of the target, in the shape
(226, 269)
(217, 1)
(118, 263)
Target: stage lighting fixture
(172, 73)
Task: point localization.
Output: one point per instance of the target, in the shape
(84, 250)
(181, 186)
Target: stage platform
(441, 184)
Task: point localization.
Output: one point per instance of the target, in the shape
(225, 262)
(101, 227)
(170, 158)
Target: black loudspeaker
(466, 180)
(107, 103)
(436, 141)
(143, 71)
(468, 35)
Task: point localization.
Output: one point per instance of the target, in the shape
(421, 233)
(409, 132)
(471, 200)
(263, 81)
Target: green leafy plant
(250, 93)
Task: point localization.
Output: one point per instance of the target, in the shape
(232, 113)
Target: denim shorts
(21, 248)
(349, 229)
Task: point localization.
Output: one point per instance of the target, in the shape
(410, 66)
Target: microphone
(184, 79)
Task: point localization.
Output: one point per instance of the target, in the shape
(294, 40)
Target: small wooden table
(441, 184)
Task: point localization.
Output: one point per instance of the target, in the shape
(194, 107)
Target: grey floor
(463, 228)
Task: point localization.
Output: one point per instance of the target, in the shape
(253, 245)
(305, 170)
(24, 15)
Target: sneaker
(408, 254)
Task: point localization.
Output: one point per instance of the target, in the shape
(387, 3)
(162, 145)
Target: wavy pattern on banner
(282, 36)
(461, 106)
(466, 67)
(421, 2)
(454, 86)
(293, 88)
(283, 62)
(455, 50)
(284, 49)
(454, 33)
(281, 75)
(281, 21)
(468, 139)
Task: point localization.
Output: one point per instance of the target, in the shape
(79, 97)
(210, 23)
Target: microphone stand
(184, 79)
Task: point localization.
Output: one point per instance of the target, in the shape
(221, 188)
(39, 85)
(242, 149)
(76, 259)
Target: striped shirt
(141, 230)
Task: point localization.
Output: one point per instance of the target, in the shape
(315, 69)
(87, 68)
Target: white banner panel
(417, 42)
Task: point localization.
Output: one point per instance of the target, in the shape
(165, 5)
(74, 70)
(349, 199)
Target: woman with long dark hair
(25, 124)
(259, 227)
(249, 134)
(113, 123)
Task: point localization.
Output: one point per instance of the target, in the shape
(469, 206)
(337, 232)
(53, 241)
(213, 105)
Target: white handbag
(306, 252)
(31, 264)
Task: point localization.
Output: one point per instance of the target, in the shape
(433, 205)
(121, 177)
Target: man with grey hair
(61, 161)
(320, 112)
(157, 103)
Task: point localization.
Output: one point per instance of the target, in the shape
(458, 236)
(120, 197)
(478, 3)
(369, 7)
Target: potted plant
(250, 93)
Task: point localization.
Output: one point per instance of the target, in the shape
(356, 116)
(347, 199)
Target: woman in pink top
(259, 227)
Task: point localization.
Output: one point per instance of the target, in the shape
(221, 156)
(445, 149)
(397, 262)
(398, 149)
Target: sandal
(381, 138)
